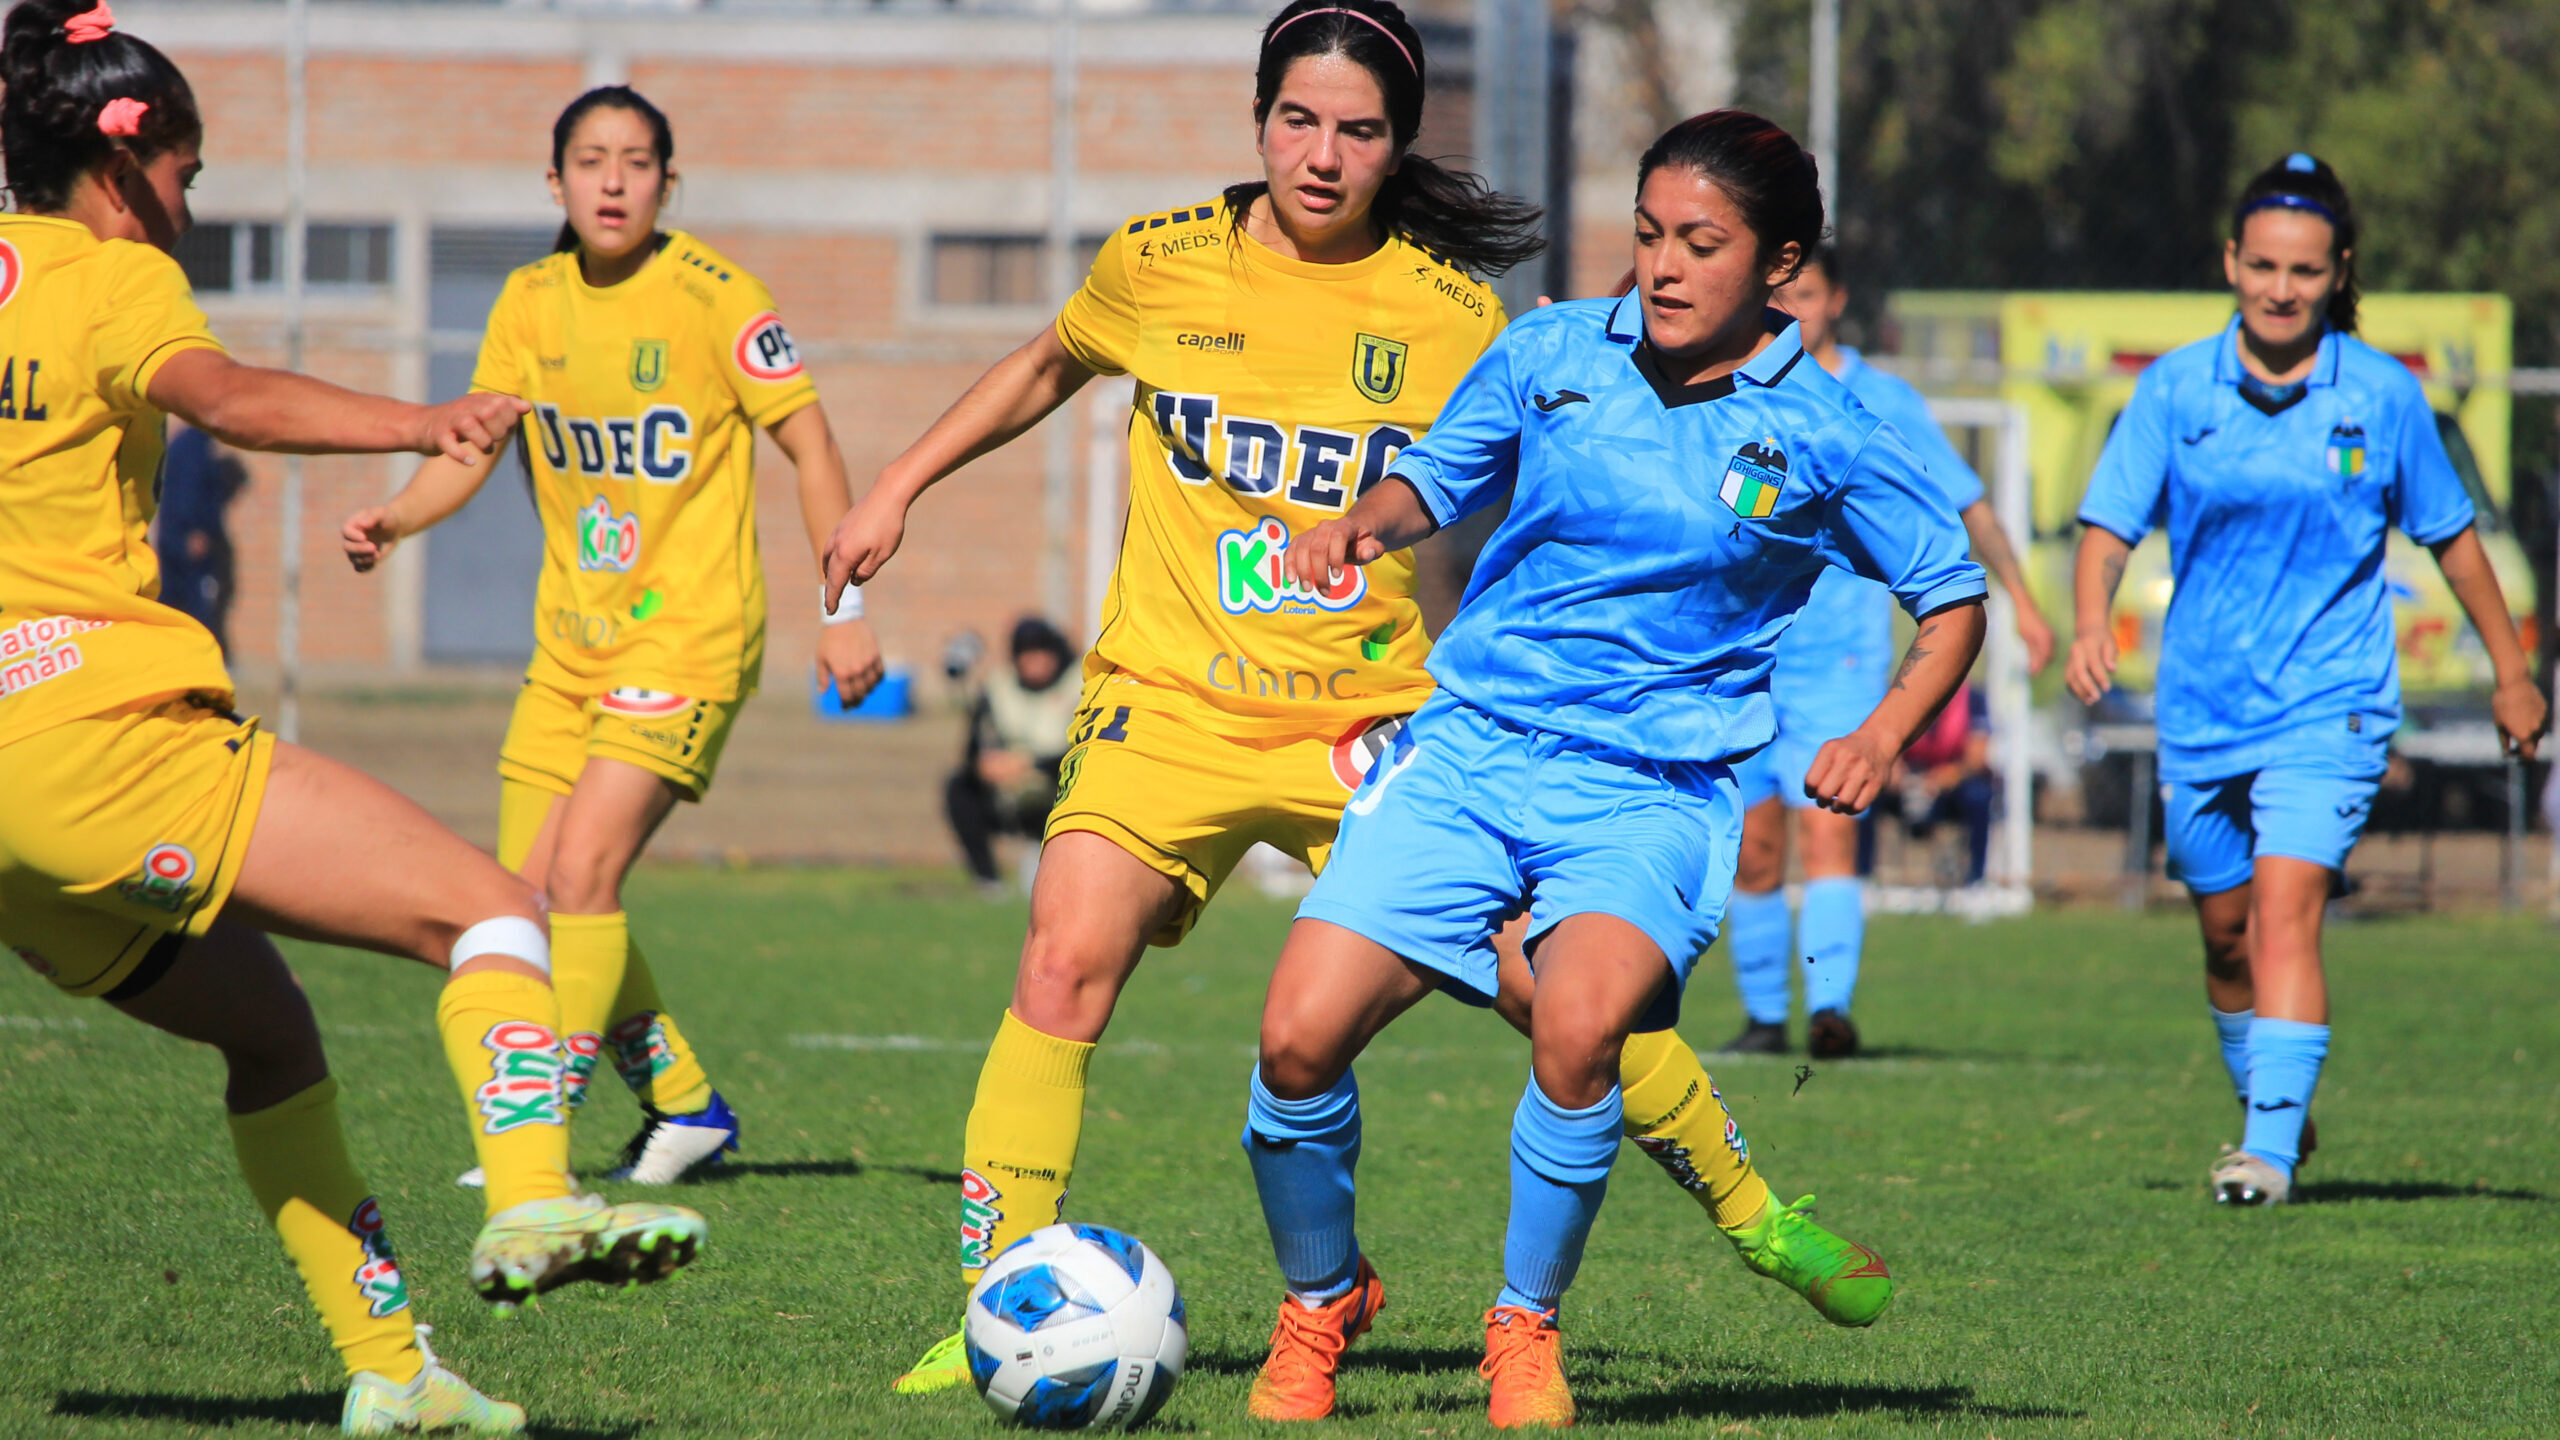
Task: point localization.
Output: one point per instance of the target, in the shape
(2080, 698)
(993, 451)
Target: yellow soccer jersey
(1271, 392)
(84, 326)
(641, 443)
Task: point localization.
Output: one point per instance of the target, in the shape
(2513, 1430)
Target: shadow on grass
(845, 1169)
(1801, 1400)
(2330, 1192)
(1385, 1359)
(224, 1411)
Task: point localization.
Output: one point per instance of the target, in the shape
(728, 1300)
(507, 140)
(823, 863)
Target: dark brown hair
(1759, 166)
(49, 135)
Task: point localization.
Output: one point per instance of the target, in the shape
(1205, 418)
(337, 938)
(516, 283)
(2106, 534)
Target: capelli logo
(1231, 343)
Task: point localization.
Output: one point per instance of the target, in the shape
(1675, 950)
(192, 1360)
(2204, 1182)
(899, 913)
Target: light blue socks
(1303, 1154)
(1755, 930)
(2232, 1029)
(2284, 1068)
(1559, 1174)
(1832, 933)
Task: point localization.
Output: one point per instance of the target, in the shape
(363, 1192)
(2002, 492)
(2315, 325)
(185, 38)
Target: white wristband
(848, 606)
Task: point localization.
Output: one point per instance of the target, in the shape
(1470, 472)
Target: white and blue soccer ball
(1076, 1327)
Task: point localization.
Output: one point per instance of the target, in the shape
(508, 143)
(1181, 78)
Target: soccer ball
(1076, 1327)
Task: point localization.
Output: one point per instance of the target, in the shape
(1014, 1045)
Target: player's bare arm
(1015, 394)
(848, 652)
(1387, 519)
(2097, 568)
(254, 408)
(1991, 548)
(1849, 772)
(2517, 705)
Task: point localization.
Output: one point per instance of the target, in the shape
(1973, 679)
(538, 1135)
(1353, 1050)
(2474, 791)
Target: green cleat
(1846, 1282)
(435, 1399)
(943, 1367)
(542, 1245)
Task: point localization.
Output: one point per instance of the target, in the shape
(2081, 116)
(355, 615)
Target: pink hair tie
(121, 118)
(1303, 14)
(91, 25)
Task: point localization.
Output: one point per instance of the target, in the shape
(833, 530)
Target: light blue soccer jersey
(1833, 662)
(2279, 638)
(1662, 537)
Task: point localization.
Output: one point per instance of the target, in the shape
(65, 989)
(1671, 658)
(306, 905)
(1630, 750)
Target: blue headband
(2281, 201)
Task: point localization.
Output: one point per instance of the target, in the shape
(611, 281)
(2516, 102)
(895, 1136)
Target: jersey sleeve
(1099, 325)
(1890, 523)
(1907, 411)
(2427, 493)
(150, 315)
(2126, 489)
(1471, 454)
(502, 345)
(757, 354)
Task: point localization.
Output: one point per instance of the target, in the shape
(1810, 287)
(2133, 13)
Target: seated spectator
(1946, 776)
(1008, 775)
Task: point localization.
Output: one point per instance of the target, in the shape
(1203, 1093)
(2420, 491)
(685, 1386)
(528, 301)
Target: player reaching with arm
(1591, 782)
(2279, 454)
(650, 361)
(1831, 673)
(152, 839)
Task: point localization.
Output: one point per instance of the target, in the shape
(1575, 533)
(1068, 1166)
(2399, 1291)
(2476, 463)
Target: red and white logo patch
(1360, 747)
(12, 270)
(764, 350)
(633, 703)
(170, 864)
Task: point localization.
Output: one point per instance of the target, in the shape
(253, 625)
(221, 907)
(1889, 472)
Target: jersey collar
(2227, 369)
(1764, 370)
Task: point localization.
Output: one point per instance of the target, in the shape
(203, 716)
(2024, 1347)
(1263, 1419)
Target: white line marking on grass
(42, 1022)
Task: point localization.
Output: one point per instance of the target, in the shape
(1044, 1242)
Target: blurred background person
(198, 481)
(1946, 778)
(1008, 775)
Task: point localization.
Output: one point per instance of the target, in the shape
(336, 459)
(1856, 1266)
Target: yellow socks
(295, 1157)
(653, 1056)
(1675, 1115)
(1020, 1148)
(501, 1034)
(589, 954)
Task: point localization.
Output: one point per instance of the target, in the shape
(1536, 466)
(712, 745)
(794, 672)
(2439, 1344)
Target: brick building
(886, 171)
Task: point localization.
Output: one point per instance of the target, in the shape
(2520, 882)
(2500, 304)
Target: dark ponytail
(64, 65)
(1770, 178)
(1451, 213)
(2306, 183)
(662, 138)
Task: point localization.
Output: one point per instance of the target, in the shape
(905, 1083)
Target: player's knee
(1760, 866)
(470, 917)
(1296, 1064)
(584, 882)
(1062, 988)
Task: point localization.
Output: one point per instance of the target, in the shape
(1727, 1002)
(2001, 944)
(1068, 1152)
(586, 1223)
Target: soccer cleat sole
(641, 1257)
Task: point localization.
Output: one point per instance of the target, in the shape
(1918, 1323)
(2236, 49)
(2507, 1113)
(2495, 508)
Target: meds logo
(523, 1087)
(167, 871)
(648, 365)
(2345, 455)
(1377, 368)
(1253, 576)
(764, 350)
(378, 1278)
(1753, 479)
(607, 541)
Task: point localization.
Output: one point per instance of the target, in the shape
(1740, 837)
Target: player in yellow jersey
(150, 837)
(650, 360)
(1288, 338)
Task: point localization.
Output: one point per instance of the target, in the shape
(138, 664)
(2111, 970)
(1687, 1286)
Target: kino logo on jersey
(523, 1087)
(2345, 457)
(1753, 479)
(1253, 575)
(378, 1278)
(607, 541)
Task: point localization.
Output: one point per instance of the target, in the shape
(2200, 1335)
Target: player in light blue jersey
(1678, 474)
(1831, 672)
(2279, 453)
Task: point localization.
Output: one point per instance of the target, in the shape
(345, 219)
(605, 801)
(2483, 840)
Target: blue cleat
(670, 1147)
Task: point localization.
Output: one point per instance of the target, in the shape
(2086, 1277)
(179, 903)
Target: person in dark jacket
(1008, 775)
(198, 482)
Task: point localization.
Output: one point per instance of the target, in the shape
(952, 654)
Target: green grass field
(2028, 1149)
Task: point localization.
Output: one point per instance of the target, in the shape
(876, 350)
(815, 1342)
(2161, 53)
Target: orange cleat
(1524, 1358)
(1296, 1383)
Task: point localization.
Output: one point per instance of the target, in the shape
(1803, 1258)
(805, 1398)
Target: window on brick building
(228, 256)
(997, 269)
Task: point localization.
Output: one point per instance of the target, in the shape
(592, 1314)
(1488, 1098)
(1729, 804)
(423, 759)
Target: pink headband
(121, 118)
(89, 25)
(1328, 10)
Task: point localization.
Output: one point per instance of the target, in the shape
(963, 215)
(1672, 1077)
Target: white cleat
(670, 1147)
(434, 1399)
(472, 1179)
(2240, 1178)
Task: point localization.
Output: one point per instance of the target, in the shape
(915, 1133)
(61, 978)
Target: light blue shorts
(1465, 820)
(1777, 771)
(2216, 828)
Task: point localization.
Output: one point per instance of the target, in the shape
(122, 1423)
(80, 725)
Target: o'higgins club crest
(1753, 479)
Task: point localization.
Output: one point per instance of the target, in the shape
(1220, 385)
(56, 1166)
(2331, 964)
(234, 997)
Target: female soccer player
(1830, 674)
(650, 361)
(151, 837)
(2280, 452)
(1608, 664)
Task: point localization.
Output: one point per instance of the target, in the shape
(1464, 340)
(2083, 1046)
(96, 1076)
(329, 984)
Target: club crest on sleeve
(2345, 457)
(648, 365)
(1752, 480)
(1377, 368)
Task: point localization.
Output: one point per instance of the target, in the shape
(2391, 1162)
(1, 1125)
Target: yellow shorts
(122, 830)
(674, 736)
(1190, 801)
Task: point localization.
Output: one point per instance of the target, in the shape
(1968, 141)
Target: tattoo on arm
(1911, 659)
(2111, 572)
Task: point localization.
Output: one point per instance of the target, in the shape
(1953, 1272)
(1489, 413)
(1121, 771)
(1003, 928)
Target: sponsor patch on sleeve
(764, 350)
